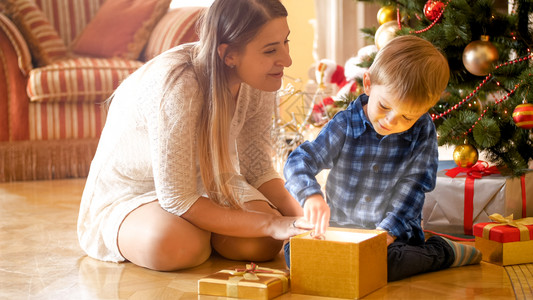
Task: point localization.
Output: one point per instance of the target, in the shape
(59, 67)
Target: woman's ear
(227, 57)
(366, 83)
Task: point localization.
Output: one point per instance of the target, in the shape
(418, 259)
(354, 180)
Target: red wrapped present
(252, 282)
(505, 241)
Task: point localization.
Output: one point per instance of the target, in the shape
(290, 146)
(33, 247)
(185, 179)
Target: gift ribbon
(477, 171)
(501, 221)
(480, 169)
(524, 199)
(250, 273)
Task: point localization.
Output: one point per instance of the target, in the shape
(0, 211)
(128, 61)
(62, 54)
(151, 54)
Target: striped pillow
(43, 40)
(80, 79)
(69, 17)
(177, 27)
(120, 28)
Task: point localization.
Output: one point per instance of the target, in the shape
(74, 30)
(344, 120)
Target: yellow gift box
(252, 282)
(505, 241)
(346, 263)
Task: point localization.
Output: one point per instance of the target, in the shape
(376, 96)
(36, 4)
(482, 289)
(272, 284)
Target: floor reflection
(40, 259)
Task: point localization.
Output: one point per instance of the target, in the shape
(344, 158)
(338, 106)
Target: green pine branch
(484, 120)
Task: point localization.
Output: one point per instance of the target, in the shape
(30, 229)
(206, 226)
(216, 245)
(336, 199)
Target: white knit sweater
(147, 151)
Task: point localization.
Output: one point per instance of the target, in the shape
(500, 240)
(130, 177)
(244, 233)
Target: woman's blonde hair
(413, 68)
(235, 23)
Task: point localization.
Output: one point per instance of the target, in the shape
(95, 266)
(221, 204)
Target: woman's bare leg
(250, 249)
(156, 239)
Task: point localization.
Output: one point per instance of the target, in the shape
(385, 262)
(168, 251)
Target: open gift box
(506, 241)
(457, 203)
(347, 263)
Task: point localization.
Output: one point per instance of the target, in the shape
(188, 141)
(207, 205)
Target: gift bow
(250, 273)
(519, 223)
(480, 169)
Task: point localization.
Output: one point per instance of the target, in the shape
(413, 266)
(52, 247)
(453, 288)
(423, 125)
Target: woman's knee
(166, 252)
(251, 249)
(153, 238)
(263, 249)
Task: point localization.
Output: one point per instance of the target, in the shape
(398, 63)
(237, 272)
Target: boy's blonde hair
(412, 68)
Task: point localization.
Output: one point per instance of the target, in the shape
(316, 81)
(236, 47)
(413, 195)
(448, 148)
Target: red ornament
(432, 9)
(523, 115)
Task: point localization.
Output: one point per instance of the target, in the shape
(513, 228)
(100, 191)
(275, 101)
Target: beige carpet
(521, 277)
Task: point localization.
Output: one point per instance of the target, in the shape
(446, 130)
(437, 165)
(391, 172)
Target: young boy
(382, 152)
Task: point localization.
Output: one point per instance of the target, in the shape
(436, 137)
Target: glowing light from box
(345, 236)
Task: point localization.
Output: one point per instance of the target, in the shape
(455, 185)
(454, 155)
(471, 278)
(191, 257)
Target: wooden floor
(40, 259)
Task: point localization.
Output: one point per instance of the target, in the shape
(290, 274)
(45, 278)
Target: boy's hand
(316, 211)
(390, 239)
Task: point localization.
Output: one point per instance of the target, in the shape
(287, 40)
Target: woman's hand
(316, 211)
(258, 220)
(282, 228)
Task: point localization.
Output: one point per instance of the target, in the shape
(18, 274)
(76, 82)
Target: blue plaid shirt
(374, 181)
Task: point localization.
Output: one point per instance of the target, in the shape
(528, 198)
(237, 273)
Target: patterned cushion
(42, 38)
(79, 79)
(69, 17)
(177, 27)
(120, 28)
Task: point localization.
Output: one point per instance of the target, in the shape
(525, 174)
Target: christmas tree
(487, 104)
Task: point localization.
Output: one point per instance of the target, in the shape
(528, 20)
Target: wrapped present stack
(505, 241)
(345, 263)
(466, 196)
(250, 282)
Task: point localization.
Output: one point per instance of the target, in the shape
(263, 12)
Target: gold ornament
(386, 14)
(385, 33)
(465, 155)
(478, 56)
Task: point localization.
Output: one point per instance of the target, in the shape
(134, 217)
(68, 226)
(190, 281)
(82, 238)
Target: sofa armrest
(15, 65)
(178, 26)
(17, 42)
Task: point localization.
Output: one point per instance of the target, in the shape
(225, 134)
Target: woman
(184, 160)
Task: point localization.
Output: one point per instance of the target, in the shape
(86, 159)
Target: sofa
(59, 61)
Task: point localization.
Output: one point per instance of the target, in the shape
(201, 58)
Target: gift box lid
(260, 276)
(501, 233)
(222, 277)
